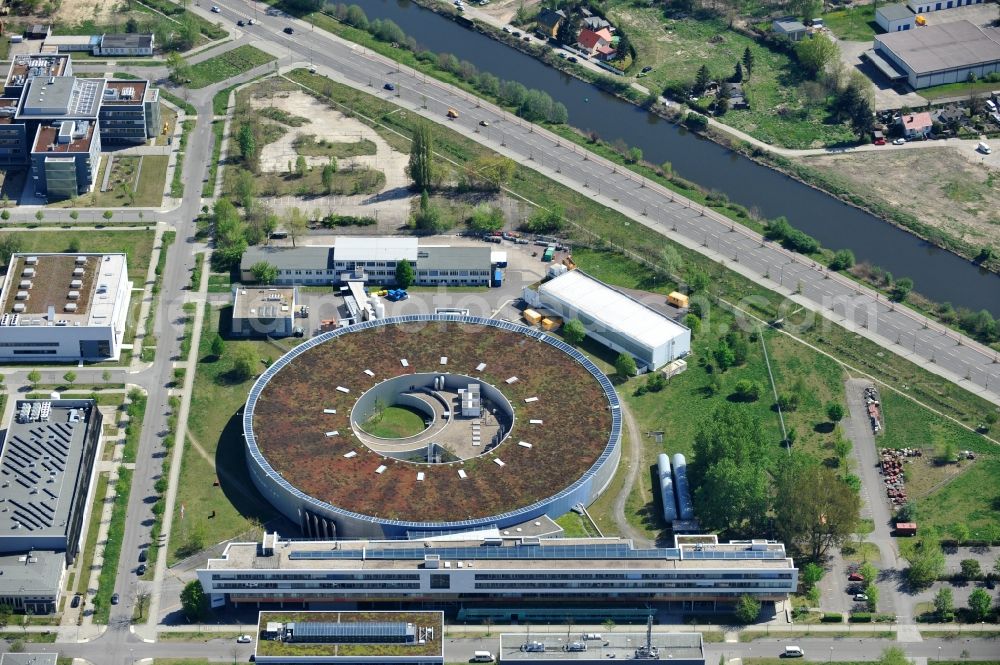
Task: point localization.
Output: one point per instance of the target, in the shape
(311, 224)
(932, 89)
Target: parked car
(517, 33)
(289, 30)
(76, 601)
(861, 597)
(252, 22)
(484, 123)
(241, 23)
(114, 599)
(216, 10)
(572, 58)
(506, 29)
(244, 639)
(143, 556)
(389, 86)
(647, 69)
(452, 113)
(899, 141)
(855, 577)
(141, 570)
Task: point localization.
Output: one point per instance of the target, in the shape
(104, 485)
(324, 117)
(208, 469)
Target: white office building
(613, 318)
(64, 307)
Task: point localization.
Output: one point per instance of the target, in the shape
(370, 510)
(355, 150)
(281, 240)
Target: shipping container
(906, 528)
(551, 323)
(678, 299)
(497, 278)
(532, 317)
(550, 251)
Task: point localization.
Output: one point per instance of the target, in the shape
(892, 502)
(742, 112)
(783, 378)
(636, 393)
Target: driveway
(886, 95)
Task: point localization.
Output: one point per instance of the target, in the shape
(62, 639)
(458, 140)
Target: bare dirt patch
(941, 188)
(74, 12)
(504, 10)
(392, 202)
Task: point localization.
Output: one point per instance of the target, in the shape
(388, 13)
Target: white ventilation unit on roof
(31, 260)
(80, 260)
(70, 307)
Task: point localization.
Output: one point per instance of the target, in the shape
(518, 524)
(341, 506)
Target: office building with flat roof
(65, 157)
(46, 471)
(129, 43)
(701, 576)
(263, 311)
(350, 638)
(29, 659)
(373, 260)
(64, 307)
(130, 112)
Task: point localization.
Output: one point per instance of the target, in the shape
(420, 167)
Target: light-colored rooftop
(935, 48)
(121, 92)
(895, 12)
(507, 554)
(268, 302)
(425, 633)
(27, 66)
(44, 280)
(616, 645)
(37, 574)
(29, 659)
(58, 96)
(67, 137)
(610, 309)
(370, 248)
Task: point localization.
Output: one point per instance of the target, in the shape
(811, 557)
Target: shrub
(696, 121)
(860, 617)
(832, 617)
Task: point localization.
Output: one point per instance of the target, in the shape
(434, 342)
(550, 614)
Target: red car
(855, 577)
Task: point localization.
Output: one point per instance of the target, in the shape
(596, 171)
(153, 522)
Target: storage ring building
(555, 440)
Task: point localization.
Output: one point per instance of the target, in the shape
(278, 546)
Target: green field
(135, 181)
(112, 548)
(138, 245)
(215, 429)
(86, 560)
(310, 146)
(395, 422)
(855, 24)
(227, 65)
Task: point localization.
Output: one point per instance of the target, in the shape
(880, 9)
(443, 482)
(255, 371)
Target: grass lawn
(169, 118)
(112, 548)
(86, 561)
(136, 412)
(971, 497)
(958, 89)
(130, 184)
(676, 48)
(138, 245)
(861, 552)
(310, 147)
(227, 65)
(214, 426)
(395, 422)
(193, 636)
(574, 526)
(345, 182)
(856, 24)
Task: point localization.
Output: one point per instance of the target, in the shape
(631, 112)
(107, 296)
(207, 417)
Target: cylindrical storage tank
(666, 488)
(685, 507)
(379, 310)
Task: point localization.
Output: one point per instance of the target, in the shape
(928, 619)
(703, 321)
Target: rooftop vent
(25, 284)
(28, 272)
(19, 307)
(22, 295)
(70, 307)
(76, 283)
(73, 295)
(80, 260)
(31, 260)
(77, 272)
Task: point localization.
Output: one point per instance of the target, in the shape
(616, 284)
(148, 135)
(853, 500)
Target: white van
(592, 636)
(793, 652)
(482, 657)
(984, 148)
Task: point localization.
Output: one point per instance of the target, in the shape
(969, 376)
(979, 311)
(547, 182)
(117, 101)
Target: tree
(404, 274)
(486, 218)
(489, 173)
(10, 243)
(842, 260)
(245, 362)
(979, 604)
(301, 167)
(960, 530)
(868, 572)
(296, 224)
(814, 507)
(108, 215)
(574, 332)
(245, 189)
(926, 564)
(724, 356)
(872, 592)
(693, 323)
(625, 365)
(737, 73)
(218, 346)
(34, 377)
(702, 79)
(747, 609)
(746, 390)
(812, 573)
(835, 412)
(248, 145)
(180, 70)
(327, 175)
(944, 604)
(697, 281)
(428, 217)
(230, 235)
(69, 377)
(142, 602)
(264, 272)
(194, 602)
(748, 61)
(420, 167)
(545, 220)
(730, 471)
(634, 155)
(815, 54)
(971, 569)
(6, 611)
(901, 289)
(39, 215)
(893, 656)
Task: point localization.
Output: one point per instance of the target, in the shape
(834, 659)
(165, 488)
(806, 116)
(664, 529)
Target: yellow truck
(678, 300)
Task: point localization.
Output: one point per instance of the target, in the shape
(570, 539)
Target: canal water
(938, 274)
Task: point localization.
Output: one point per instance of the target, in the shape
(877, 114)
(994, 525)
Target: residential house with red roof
(597, 43)
(916, 125)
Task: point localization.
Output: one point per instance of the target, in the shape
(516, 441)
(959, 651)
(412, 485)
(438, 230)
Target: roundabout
(517, 425)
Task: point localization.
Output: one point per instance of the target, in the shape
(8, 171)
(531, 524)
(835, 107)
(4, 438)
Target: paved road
(898, 329)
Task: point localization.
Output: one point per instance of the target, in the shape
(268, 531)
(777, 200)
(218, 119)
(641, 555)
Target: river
(937, 273)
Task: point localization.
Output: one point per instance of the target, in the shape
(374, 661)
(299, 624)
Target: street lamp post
(831, 654)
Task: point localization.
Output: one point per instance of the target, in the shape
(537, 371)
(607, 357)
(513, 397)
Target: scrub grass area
(93, 526)
(138, 245)
(214, 451)
(135, 181)
(395, 422)
(112, 548)
(575, 525)
(227, 65)
(133, 429)
(780, 112)
(856, 24)
(958, 89)
(309, 146)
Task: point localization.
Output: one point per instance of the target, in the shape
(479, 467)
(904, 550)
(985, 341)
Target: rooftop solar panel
(350, 632)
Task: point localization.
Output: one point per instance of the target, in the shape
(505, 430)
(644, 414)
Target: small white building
(789, 28)
(614, 319)
(895, 18)
(64, 307)
(263, 311)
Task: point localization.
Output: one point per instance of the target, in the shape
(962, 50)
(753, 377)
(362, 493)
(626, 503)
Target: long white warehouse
(614, 319)
(64, 307)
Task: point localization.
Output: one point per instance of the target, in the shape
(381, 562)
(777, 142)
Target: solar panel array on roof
(592, 551)
(360, 632)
